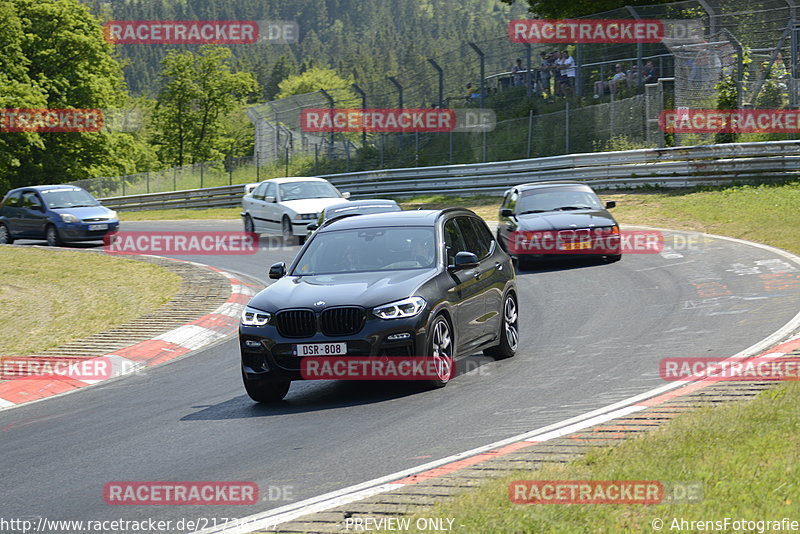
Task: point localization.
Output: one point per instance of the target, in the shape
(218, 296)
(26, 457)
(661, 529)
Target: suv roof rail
(450, 210)
(337, 218)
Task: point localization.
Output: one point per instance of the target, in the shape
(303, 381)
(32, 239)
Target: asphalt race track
(592, 334)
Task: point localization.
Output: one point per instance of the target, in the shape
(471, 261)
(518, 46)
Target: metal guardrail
(663, 167)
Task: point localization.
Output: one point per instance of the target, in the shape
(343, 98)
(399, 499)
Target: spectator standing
(545, 67)
(516, 73)
(568, 73)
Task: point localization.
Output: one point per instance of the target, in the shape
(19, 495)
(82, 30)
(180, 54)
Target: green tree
(199, 90)
(53, 55)
(314, 79)
(283, 68)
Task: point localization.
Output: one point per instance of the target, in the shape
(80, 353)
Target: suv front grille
(296, 323)
(341, 321)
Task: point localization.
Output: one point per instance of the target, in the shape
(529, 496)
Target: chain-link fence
(723, 54)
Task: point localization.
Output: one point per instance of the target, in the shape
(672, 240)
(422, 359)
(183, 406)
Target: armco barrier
(664, 167)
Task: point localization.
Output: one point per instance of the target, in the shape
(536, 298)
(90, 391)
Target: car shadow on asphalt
(314, 396)
(550, 266)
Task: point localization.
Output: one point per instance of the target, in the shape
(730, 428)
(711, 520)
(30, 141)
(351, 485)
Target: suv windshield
(68, 198)
(548, 199)
(368, 249)
(301, 190)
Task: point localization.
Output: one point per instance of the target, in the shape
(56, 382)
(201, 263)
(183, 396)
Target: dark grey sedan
(557, 220)
(353, 207)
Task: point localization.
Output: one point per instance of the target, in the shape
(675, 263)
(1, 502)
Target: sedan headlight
(402, 308)
(69, 218)
(112, 214)
(306, 216)
(254, 317)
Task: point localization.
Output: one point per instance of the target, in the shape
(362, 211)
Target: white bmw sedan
(286, 205)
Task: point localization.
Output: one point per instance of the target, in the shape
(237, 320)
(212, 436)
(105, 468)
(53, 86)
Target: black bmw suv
(429, 284)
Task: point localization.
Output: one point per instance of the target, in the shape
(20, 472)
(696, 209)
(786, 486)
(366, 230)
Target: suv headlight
(254, 317)
(69, 218)
(402, 308)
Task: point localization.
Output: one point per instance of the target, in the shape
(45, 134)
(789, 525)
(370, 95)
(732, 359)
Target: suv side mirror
(465, 260)
(346, 194)
(506, 212)
(278, 270)
(312, 226)
(611, 204)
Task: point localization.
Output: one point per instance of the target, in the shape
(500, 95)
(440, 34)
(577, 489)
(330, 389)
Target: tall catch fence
(718, 54)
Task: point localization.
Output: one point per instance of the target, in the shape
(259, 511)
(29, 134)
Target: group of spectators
(555, 75)
(557, 71)
(632, 77)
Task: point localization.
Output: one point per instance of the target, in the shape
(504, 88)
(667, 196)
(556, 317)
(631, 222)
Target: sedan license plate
(95, 227)
(320, 349)
(580, 245)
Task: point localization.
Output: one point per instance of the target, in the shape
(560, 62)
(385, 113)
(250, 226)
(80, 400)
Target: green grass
(50, 297)
(745, 456)
(181, 214)
(765, 213)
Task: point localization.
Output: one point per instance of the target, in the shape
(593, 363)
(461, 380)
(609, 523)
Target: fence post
(346, 153)
(174, 178)
(363, 107)
(258, 169)
(148, 181)
(528, 66)
(416, 149)
(287, 161)
(230, 170)
(482, 57)
(316, 158)
(202, 171)
(440, 75)
(331, 106)
(451, 147)
(123, 184)
(611, 117)
(566, 127)
(399, 90)
(383, 142)
(639, 53)
(530, 131)
(579, 70)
